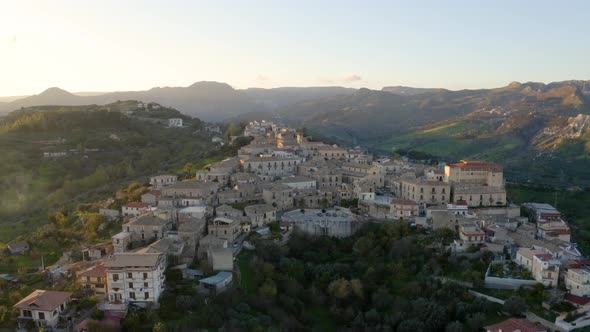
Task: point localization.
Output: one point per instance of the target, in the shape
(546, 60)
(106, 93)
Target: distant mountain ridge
(208, 100)
(409, 91)
(211, 101)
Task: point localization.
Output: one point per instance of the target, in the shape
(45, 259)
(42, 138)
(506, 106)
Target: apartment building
(424, 191)
(133, 277)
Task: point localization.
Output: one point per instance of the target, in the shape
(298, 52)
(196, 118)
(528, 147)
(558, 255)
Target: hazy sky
(132, 45)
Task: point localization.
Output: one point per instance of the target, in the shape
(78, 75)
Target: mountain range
(210, 101)
(510, 124)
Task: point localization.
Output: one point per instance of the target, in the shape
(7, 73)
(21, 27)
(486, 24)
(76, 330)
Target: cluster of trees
(382, 278)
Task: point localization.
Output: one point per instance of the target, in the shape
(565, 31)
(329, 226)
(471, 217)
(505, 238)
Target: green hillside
(106, 147)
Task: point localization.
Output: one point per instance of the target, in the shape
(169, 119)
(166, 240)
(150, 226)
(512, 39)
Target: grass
(449, 141)
(502, 294)
(246, 272)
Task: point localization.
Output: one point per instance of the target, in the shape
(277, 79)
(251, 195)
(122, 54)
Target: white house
(175, 122)
(160, 181)
(42, 307)
(135, 209)
(577, 281)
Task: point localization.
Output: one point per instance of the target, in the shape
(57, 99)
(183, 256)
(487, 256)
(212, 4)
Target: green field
(456, 140)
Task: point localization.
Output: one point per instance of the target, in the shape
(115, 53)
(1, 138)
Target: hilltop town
(282, 183)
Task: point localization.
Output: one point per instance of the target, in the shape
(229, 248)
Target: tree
(233, 129)
(515, 306)
(268, 290)
(159, 327)
(455, 326)
(188, 169)
(411, 325)
(134, 192)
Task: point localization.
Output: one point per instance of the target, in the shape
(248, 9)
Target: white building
(135, 209)
(541, 264)
(134, 277)
(175, 122)
(577, 281)
(163, 180)
(42, 307)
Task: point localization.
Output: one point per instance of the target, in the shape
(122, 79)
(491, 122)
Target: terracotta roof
(576, 299)
(95, 271)
(403, 202)
(516, 324)
(581, 262)
(558, 232)
(544, 257)
(43, 300)
(475, 164)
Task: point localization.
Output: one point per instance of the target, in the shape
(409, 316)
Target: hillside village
(284, 182)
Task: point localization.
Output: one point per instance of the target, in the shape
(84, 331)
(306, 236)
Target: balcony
(118, 285)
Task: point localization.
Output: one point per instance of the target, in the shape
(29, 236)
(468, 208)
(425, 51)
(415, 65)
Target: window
(129, 275)
(145, 285)
(145, 276)
(115, 277)
(130, 285)
(27, 313)
(146, 295)
(54, 313)
(132, 295)
(41, 315)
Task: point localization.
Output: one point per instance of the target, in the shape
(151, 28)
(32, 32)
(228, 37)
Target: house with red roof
(42, 307)
(516, 325)
(94, 279)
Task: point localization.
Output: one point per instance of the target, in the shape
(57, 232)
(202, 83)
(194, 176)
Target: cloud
(262, 78)
(352, 78)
